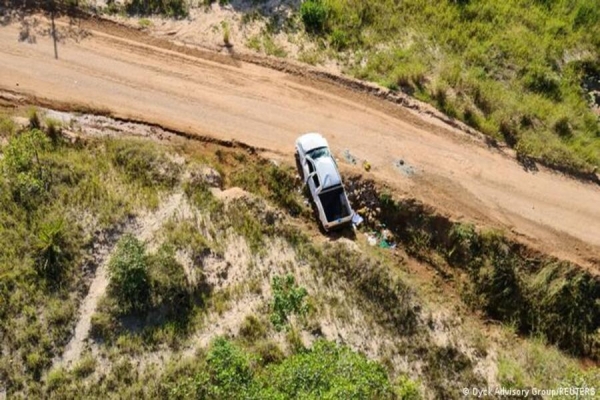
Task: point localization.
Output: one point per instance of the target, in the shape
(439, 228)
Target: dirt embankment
(130, 75)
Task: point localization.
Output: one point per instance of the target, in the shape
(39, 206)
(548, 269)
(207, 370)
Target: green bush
(328, 371)
(170, 8)
(7, 127)
(24, 167)
(338, 39)
(229, 369)
(288, 298)
(54, 250)
(314, 15)
(170, 288)
(129, 277)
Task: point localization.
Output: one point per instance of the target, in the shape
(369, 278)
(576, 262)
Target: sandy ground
(200, 93)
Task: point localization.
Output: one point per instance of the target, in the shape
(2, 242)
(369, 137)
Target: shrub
(170, 288)
(85, 366)
(170, 8)
(268, 352)
(55, 249)
(252, 329)
(7, 127)
(129, 278)
(23, 166)
(338, 39)
(288, 298)
(314, 15)
(328, 371)
(229, 369)
(34, 119)
(53, 129)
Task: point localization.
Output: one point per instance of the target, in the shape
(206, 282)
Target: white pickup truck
(319, 171)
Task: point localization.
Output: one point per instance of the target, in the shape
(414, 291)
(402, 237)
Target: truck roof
(327, 171)
(311, 141)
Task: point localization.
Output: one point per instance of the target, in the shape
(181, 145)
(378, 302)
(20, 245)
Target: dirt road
(229, 99)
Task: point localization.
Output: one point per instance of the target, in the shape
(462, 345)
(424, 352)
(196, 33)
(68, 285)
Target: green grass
(53, 196)
(95, 185)
(288, 299)
(539, 295)
(511, 69)
(275, 183)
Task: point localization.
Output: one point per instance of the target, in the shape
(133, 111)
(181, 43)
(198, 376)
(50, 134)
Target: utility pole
(52, 11)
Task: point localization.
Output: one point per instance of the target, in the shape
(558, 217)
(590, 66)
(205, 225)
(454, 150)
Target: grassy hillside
(512, 69)
(213, 291)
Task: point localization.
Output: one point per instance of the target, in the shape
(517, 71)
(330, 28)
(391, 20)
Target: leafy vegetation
(53, 195)
(129, 278)
(314, 15)
(155, 307)
(501, 278)
(145, 164)
(151, 290)
(287, 299)
(169, 8)
(324, 371)
(511, 69)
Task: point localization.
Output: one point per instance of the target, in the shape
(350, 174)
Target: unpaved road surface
(132, 76)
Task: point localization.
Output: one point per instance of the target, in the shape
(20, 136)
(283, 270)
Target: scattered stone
(349, 157)
(200, 174)
(404, 168)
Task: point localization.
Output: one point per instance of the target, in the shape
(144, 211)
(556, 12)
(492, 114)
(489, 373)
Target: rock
(203, 174)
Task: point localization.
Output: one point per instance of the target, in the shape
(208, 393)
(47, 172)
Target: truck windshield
(320, 152)
(334, 204)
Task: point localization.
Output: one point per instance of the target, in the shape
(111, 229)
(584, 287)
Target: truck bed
(335, 204)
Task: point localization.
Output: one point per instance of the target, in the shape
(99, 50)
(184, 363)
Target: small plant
(34, 119)
(252, 329)
(406, 389)
(54, 249)
(129, 279)
(53, 129)
(7, 127)
(85, 367)
(338, 39)
(226, 33)
(271, 48)
(170, 287)
(27, 174)
(144, 23)
(288, 298)
(314, 15)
